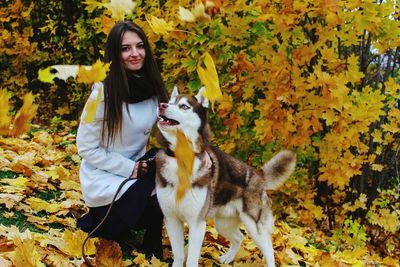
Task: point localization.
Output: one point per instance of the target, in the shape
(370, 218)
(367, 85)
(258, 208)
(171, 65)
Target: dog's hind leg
(261, 233)
(197, 231)
(229, 227)
(175, 233)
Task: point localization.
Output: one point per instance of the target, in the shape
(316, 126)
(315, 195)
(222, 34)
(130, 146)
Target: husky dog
(222, 187)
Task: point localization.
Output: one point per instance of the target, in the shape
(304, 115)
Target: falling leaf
(5, 120)
(84, 74)
(185, 159)
(199, 11)
(120, 8)
(186, 15)
(91, 106)
(45, 75)
(63, 72)
(108, 253)
(24, 116)
(209, 78)
(96, 73)
(107, 24)
(159, 26)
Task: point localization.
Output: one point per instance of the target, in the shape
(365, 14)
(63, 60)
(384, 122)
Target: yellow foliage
(185, 159)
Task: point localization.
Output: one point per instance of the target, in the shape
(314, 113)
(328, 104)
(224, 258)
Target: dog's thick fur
(229, 190)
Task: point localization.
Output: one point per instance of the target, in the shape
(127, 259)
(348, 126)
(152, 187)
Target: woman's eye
(183, 106)
(125, 48)
(140, 46)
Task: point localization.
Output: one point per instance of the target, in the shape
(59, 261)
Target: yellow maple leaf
(38, 204)
(209, 77)
(159, 26)
(5, 120)
(24, 116)
(91, 107)
(74, 241)
(185, 159)
(26, 253)
(120, 8)
(107, 23)
(96, 73)
(108, 253)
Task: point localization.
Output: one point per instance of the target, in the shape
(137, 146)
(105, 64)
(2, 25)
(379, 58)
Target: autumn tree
(319, 77)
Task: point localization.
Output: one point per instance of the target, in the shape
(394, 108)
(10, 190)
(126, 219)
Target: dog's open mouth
(164, 121)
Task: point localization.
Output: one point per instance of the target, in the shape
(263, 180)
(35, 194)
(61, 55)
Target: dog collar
(170, 153)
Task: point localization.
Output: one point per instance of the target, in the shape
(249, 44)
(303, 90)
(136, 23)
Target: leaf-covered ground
(40, 198)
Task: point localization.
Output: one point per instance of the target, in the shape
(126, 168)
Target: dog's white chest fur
(193, 201)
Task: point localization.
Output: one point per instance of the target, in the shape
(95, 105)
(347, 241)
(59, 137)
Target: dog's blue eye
(183, 106)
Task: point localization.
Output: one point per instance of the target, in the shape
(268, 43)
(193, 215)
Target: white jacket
(101, 172)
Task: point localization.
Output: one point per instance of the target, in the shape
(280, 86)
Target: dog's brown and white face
(185, 113)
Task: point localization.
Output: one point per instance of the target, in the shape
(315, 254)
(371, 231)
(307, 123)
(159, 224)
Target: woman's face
(132, 51)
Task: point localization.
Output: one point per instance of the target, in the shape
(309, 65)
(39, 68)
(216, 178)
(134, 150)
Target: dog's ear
(175, 92)
(201, 98)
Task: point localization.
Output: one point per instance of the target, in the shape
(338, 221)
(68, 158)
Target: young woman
(113, 146)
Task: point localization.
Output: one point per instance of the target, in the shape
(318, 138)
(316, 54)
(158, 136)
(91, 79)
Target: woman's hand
(140, 169)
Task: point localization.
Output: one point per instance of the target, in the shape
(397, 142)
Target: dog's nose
(163, 106)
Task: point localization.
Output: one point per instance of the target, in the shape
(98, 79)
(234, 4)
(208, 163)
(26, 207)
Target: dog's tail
(279, 168)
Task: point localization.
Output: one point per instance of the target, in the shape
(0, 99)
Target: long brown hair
(116, 90)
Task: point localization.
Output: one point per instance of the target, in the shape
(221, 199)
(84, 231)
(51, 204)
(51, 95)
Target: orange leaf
(24, 116)
(5, 120)
(185, 159)
(108, 253)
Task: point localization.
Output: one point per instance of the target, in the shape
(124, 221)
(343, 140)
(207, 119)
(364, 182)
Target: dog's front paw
(226, 258)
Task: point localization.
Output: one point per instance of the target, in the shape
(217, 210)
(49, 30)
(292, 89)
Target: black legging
(136, 209)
